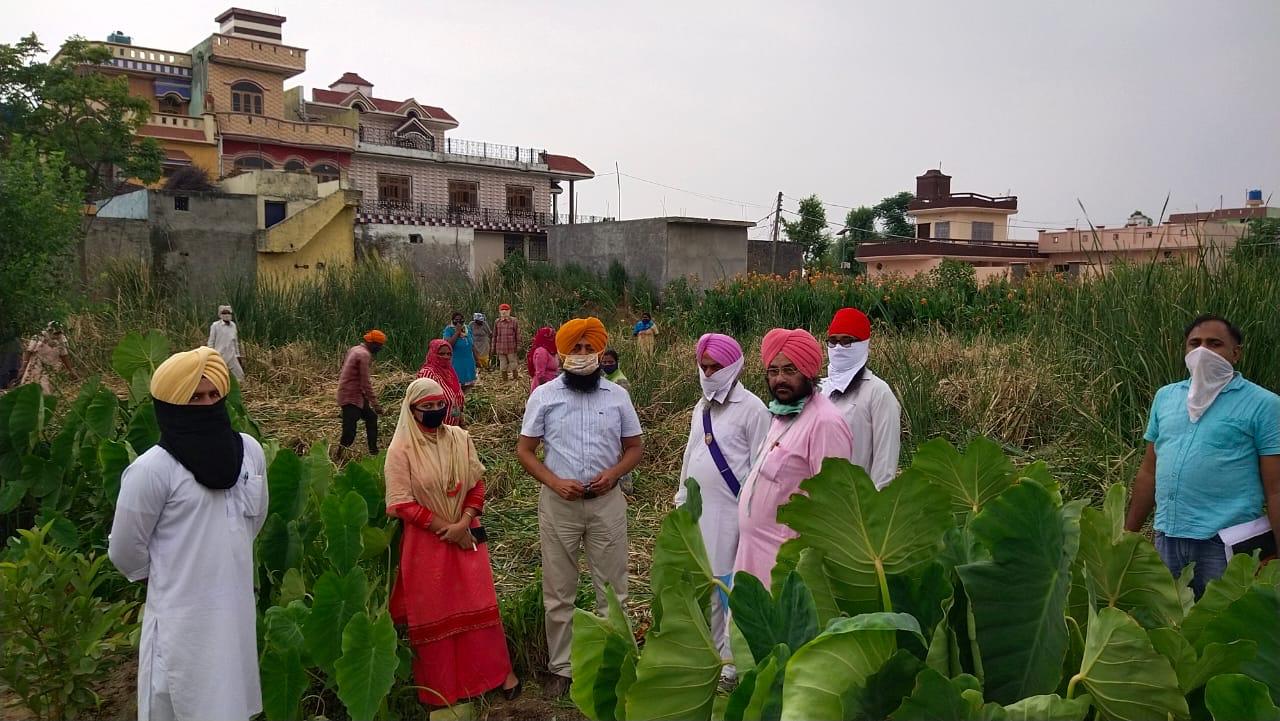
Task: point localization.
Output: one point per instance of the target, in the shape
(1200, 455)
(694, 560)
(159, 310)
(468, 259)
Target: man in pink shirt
(355, 393)
(806, 428)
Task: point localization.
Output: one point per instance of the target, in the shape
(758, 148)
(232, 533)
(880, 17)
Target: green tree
(892, 213)
(87, 117)
(859, 226)
(39, 223)
(1261, 240)
(810, 230)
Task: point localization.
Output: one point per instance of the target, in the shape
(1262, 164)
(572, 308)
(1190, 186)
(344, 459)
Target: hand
(603, 483)
(567, 489)
(459, 533)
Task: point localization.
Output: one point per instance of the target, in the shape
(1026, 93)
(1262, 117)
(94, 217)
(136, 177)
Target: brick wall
(430, 181)
(221, 78)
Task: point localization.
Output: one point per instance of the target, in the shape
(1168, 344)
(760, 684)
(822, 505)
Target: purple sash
(722, 465)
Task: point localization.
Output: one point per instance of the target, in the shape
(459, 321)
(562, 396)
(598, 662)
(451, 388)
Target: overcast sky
(1114, 103)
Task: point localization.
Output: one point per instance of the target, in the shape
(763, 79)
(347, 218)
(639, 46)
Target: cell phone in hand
(478, 533)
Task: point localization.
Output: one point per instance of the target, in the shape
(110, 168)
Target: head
(194, 378)
(225, 314)
(443, 351)
(580, 343)
(646, 316)
(716, 351)
(206, 394)
(1214, 333)
(609, 361)
(477, 318)
(374, 340)
(787, 383)
(504, 311)
(457, 319)
(426, 404)
(849, 326)
(54, 329)
(792, 361)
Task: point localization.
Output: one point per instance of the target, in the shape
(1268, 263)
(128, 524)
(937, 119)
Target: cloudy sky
(1113, 104)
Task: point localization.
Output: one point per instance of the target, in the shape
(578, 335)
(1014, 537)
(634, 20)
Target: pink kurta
(792, 452)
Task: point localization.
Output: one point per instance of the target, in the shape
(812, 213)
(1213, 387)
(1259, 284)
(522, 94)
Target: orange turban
(799, 346)
(375, 336)
(578, 329)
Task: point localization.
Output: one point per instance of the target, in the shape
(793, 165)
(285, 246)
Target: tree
(892, 213)
(810, 230)
(859, 226)
(40, 206)
(1260, 240)
(87, 117)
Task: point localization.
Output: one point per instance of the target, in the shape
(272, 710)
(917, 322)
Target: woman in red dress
(438, 366)
(444, 592)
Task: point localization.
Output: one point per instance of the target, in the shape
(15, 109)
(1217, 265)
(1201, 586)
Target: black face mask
(433, 419)
(608, 368)
(202, 440)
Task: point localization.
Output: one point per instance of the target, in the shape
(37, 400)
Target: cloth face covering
(433, 418)
(844, 363)
(1210, 373)
(202, 440)
(778, 408)
(609, 368)
(717, 387)
(581, 365)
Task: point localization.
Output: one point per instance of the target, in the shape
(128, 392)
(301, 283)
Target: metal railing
(469, 215)
(453, 146)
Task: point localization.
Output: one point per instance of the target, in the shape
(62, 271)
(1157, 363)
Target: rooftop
(352, 79)
(382, 105)
(249, 14)
(950, 249)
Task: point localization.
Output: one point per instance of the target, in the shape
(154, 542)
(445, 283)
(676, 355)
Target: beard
(805, 390)
(582, 384)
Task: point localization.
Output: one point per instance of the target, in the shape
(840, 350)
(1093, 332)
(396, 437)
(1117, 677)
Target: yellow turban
(578, 329)
(176, 379)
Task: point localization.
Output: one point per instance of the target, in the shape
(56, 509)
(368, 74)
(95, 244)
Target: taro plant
(966, 589)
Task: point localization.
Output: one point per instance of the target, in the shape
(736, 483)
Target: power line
(707, 196)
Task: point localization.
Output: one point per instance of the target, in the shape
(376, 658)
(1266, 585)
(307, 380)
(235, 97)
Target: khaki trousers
(564, 528)
(509, 362)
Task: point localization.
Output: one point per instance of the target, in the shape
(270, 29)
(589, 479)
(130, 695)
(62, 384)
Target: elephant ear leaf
(1236, 697)
(1128, 679)
(677, 674)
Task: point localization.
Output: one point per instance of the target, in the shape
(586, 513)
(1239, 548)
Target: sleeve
(886, 436)
(830, 440)
(212, 332)
(1267, 427)
(254, 449)
(448, 332)
(630, 420)
(1153, 420)
(681, 492)
(143, 495)
(412, 513)
(540, 358)
(534, 424)
(366, 383)
(475, 497)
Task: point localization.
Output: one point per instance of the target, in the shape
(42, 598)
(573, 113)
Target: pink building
(440, 202)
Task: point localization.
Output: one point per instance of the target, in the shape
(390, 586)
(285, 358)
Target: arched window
(412, 113)
(358, 107)
(296, 166)
(253, 162)
(171, 104)
(417, 141)
(325, 172)
(246, 97)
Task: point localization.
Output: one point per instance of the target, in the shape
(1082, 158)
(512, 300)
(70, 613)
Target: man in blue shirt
(1213, 455)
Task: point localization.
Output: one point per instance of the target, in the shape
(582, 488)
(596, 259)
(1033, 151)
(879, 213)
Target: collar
(863, 373)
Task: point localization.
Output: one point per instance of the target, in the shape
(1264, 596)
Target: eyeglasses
(786, 372)
(842, 344)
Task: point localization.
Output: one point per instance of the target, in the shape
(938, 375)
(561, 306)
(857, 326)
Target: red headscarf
(441, 371)
(544, 338)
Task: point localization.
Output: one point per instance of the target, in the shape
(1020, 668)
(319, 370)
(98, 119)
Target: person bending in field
(806, 428)
(592, 437)
(444, 591)
(188, 511)
(867, 403)
(728, 427)
(355, 393)
(1212, 458)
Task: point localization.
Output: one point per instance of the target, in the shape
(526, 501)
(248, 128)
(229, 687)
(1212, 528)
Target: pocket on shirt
(1228, 434)
(250, 501)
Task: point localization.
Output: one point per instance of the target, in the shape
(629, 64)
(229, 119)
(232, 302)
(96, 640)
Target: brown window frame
(402, 185)
(987, 226)
(520, 192)
(460, 191)
(320, 171)
(246, 97)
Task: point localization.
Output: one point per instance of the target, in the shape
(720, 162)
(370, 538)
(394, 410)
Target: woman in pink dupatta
(438, 366)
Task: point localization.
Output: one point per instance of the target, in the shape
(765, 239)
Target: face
(445, 352)
(646, 316)
(709, 366)
(1215, 336)
(609, 359)
(457, 319)
(786, 382)
(427, 405)
(582, 347)
(206, 394)
(840, 339)
(374, 347)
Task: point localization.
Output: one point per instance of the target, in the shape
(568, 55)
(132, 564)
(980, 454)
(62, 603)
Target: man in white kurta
(866, 402)
(739, 423)
(185, 521)
(224, 337)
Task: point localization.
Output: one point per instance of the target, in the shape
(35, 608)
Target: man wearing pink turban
(728, 427)
(806, 429)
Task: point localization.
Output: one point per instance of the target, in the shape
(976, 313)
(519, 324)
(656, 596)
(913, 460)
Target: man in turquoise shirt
(1213, 455)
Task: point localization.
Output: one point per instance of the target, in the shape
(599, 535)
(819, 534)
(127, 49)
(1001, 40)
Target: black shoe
(513, 693)
(557, 686)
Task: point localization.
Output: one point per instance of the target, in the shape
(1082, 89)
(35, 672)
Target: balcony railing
(454, 146)
(428, 214)
(286, 131)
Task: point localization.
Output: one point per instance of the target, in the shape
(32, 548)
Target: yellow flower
(924, 302)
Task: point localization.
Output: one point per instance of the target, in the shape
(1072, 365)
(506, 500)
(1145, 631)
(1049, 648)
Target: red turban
(851, 321)
(799, 346)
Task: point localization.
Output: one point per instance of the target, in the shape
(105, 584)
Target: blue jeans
(1209, 555)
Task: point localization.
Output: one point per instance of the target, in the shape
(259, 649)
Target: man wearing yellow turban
(592, 437)
(188, 511)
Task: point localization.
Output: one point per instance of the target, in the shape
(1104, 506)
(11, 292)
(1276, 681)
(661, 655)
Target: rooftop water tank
(119, 38)
(1253, 198)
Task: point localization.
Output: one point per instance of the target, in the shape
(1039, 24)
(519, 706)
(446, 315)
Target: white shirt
(225, 338)
(875, 419)
(740, 425)
(581, 432)
(194, 545)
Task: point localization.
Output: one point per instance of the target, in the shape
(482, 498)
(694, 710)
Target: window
(171, 104)
(1115, 236)
(463, 195)
(1148, 234)
(922, 230)
(295, 166)
(253, 162)
(512, 244)
(1184, 232)
(984, 231)
(181, 202)
(326, 172)
(394, 190)
(1062, 268)
(538, 250)
(519, 199)
(273, 211)
(415, 238)
(246, 97)
(358, 107)
(942, 230)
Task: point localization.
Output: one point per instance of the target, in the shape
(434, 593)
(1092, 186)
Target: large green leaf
(679, 555)
(279, 545)
(114, 457)
(825, 677)
(337, 598)
(143, 431)
(1220, 593)
(357, 477)
(100, 416)
(677, 674)
(791, 619)
(292, 587)
(864, 534)
(376, 540)
(284, 680)
(367, 668)
(758, 696)
(344, 517)
(1128, 679)
(923, 593)
(13, 490)
(1236, 697)
(1193, 669)
(813, 572)
(44, 476)
(318, 471)
(887, 688)
(970, 479)
(604, 659)
(1049, 707)
(937, 698)
(287, 493)
(26, 416)
(1254, 617)
(1022, 635)
(284, 626)
(137, 352)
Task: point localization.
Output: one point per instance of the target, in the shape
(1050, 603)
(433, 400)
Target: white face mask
(844, 363)
(1210, 373)
(581, 365)
(717, 387)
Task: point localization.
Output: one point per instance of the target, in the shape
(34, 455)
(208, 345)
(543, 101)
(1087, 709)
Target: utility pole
(777, 220)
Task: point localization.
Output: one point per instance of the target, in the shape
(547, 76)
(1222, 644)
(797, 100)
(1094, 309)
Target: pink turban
(798, 345)
(720, 348)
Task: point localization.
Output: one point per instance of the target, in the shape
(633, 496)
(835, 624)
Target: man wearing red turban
(806, 428)
(867, 403)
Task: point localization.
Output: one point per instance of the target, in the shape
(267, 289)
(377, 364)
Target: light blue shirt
(581, 432)
(1207, 476)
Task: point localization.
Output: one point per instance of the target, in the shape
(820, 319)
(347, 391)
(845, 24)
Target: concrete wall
(429, 181)
(331, 245)
(113, 240)
(442, 250)
(663, 249)
(129, 205)
(760, 257)
(212, 242)
(881, 267)
(962, 220)
(486, 252)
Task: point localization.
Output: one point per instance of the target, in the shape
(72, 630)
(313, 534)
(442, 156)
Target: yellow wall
(331, 246)
(962, 220)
